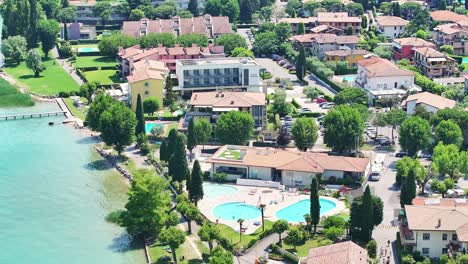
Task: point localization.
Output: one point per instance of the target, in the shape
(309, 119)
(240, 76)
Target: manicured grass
(465, 65)
(51, 81)
(170, 127)
(232, 154)
(233, 236)
(10, 96)
(158, 251)
(103, 77)
(94, 61)
(301, 250)
(80, 113)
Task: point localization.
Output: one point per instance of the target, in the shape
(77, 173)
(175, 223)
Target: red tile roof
(378, 67)
(447, 16)
(339, 253)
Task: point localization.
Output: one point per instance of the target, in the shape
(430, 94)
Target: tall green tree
(171, 142)
(377, 210)
(203, 130)
(280, 106)
(193, 7)
(48, 31)
(192, 141)
(34, 62)
(266, 43)
(279, 227)
(314, 203)
(190, 212)
(196, 184)
(101, 103)
(367, 215)
(163, 155)
(140, 126)
(248, 7)
(50, 8)
(220, 256)
(300, 29)
(230, 42)
(118, 126)
(351, 96)
(301, 64)
(234, 127)
(14, 47)
(443, 5)
(396, 9)
(16, 15)
(178, 166)
(446, 160)
(395, 118)
(305, 133)
(415, 135)
(209, 233)
(408, 188)
(364, 21)
(147, 207)
(339, 139)
(448, 132)
(32, 35)
(283, 31)
(151, 105)
(174, 237)
(66, 15)
(295, 237)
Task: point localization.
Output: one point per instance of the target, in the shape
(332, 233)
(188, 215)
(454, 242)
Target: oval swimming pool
(234, 211)
(213, 190)
(295, 212)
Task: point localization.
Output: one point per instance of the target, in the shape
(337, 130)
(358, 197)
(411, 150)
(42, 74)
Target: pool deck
(274, 199)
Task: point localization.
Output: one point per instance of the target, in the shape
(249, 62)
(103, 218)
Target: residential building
(336, 22)
(78, 31)
(84, 12)
(236, 74)
(211, 26)
(433, 63)
(210, 105)
(431, 102)
(340, 253)
(445, 16)
(391, 26)
(127, 57)
(450, 80)
(350, 56)
(290, 168)
(435, 226)
(318, 44)
(453, 34)
(181, 4)
(403, 48)
(422, 3)
(381, 78)
(148, 79)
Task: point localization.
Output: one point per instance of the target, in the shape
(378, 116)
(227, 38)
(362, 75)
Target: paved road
(276, 70)
(259, 250)
(243, 33)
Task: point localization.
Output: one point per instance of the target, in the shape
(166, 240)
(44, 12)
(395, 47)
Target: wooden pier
(32, 115)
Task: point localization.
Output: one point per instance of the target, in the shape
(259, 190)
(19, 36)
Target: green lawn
(170, 127)
(94, 61)
(233, 154)
(465, 65)
(51, 81)
(103, 77)
(302, 250)
(10, 96)
(157, 251)
(80, 113)
(231, 235)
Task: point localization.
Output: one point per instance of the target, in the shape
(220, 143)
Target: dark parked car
(401, 154)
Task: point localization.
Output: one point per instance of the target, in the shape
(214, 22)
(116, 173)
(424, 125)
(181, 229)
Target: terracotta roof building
(340, 253)
(338, 21)
(318, 44)
(211, 26)
(432, 63)
(391, 26)
(436, 226)
(453, 34)
(288, 167)
(350, 56)
(431, 102)
(445, 16)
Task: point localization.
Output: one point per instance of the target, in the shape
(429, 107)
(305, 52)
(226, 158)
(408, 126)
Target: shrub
(64, 94)
(333, 233)
(295, 103)
(334, 221)
(371, 248)
(114, 217)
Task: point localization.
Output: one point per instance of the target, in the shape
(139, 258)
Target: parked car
(328, 105)
(288, 118)
(320, 100)
(401, 154)
(305, 110)
(282, 62)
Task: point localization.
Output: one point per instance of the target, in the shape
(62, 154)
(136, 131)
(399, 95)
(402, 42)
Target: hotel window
(396, 84)
(227, 71)
(196, 81)
(216, 80)
(186, 73)
(206, 81)
(444, 251)
(146, 84)
(426, 236)
(146, 92)
(196, 72)
(235, 70)
(217, 71)
(206, 71)
(444, 236)
(425, 251)
(454, 237)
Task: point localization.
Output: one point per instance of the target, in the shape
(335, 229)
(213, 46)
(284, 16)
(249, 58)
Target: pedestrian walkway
(67, 67)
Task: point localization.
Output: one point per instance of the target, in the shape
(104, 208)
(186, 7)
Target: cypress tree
(196, 183)
(364, 21)
(300, 28)
(396, 9)
(410, 187)
(367, 216)
(140, 127)
(466, 5)
(314, 203)
(191, 136)
(301, 63)
(403, 192)
(443, 5)
(32, 30)
(163, 151)
(65, 3)
(178, 166)
(355, 219)
(171, 140)
(193, 7)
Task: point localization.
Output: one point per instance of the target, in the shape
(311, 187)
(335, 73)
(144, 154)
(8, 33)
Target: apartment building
(431, 102)
(84, 10)
(446, 16)
(380, 78)
(181, 4)
(436, 226)
(433, 63)
(211, 26)
(210, 105)
(128, 57)
(318, 44)
(453, 34)
(350, 56)
(236, 74)
(78, 31)
(391, 26)
(403, 48)
(336, 23)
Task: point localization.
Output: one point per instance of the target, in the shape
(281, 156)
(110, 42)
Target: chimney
(439, 223)
(232, 102)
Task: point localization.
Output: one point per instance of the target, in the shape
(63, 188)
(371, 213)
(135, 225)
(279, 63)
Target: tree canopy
(34, 62)
(339, 139)
(448, 132)
(415, 135)
(351, 96)
(304, 132)
(234, 127)
(230, 42)
(14, 47)
(117, 126)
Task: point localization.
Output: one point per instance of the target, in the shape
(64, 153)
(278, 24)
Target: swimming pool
(465, 60)
(295, 212)
(149, 126)
(88, 49)
(349, 78)
(213, 190)
(235, 210)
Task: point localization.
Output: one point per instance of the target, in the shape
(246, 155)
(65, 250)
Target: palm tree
(262, 208)
(240, 221)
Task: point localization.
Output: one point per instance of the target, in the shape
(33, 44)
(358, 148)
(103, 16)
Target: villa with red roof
(340, 253)
(403, 48)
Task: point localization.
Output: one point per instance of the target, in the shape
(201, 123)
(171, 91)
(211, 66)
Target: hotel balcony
(406, 236)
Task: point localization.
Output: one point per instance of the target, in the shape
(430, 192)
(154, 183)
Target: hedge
(398, 246)
(295, 103)
(308, 114)
(94, 68)
(288, 256)
(457, 57)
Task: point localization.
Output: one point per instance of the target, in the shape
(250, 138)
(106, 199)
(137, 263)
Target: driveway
(243, 33)
(259, 250)
(276, 70)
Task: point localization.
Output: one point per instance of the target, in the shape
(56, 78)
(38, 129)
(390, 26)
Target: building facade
(352, 57)
(225, 74)
(84, 12)
(453, 34)
(338, 22)
(431, 102)
(433, 63)
(391, 26)
(403, 48)
(318, 44)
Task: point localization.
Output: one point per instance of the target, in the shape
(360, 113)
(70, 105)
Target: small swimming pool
(149, 126)
(295, 212)
(465, 60)
(88, 49)
(213, 190)
(349, 78)
(235, 210)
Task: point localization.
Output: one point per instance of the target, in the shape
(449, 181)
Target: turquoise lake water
(54, 194)
(295, 212)
(234, 211)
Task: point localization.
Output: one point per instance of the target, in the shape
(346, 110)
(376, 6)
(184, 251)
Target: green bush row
(307, 114)
(286, 255)
(296, 104)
